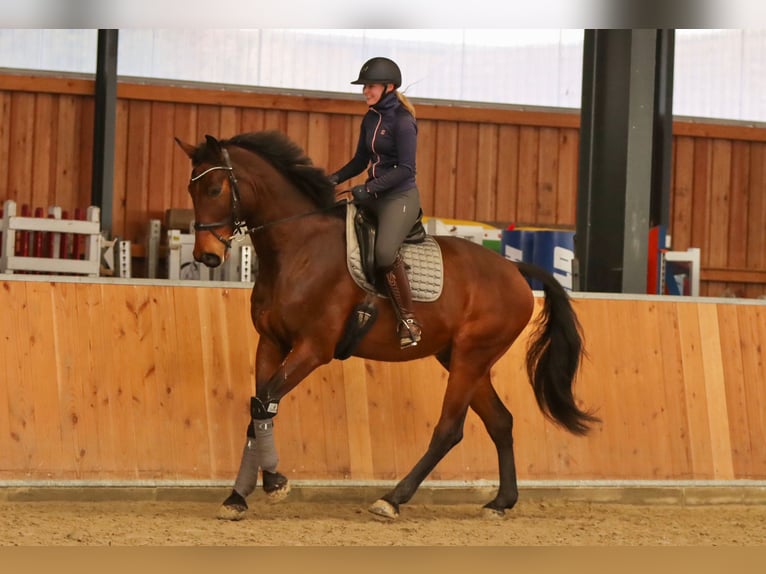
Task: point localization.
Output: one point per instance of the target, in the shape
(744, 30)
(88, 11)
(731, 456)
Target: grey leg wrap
(259, 452)
(247, 477)
(264, 444)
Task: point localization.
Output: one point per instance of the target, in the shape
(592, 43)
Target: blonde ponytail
(405, 102)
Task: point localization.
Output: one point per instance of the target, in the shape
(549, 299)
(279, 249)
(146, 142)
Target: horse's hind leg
(447, 433)
(499, 423)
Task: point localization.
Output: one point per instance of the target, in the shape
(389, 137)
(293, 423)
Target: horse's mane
(288, 158)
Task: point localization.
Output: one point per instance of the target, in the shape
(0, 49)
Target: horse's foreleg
(499, 424)
(299, 363)
(259, 452)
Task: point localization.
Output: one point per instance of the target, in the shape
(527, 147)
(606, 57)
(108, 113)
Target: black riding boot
(398, 285)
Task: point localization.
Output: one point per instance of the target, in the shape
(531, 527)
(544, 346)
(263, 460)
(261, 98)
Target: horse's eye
(214, 191)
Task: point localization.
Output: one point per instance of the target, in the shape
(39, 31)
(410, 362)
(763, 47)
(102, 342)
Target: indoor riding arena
(126, 370)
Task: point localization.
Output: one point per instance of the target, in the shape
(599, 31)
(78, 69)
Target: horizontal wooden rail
(48, 83)
(720, 130)
(733, 275)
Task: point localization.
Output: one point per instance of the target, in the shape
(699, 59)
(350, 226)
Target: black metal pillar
(625, 137)
(102, 189)
(663, 129)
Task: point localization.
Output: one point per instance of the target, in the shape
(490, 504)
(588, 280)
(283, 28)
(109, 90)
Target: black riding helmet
(379, 71)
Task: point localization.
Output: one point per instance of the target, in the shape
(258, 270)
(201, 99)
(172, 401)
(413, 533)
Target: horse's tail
(554, 354)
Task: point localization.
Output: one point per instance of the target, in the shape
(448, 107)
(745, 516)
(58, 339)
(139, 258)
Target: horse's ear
(213, 144)
(188, 148)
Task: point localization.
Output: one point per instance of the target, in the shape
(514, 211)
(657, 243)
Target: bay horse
(303, 297)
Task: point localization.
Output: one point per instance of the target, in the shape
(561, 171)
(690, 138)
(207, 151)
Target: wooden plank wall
(156, 386)
(718, 205)
(480, 163)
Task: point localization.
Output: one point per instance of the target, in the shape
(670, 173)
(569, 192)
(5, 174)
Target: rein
(239, 225)
(298, 216)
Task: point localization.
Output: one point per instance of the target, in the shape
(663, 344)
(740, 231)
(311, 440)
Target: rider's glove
(360, 193)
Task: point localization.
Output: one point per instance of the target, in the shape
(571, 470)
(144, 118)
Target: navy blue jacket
(387, 144)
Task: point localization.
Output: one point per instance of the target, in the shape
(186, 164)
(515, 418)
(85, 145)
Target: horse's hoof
(276, 486)
(384, 508)
(278, 494)
(231, 512)
(492, 513)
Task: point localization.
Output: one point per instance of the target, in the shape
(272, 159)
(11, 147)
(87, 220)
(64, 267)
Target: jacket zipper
(372, 143)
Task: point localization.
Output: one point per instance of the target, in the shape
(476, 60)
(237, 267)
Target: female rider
(387, 147)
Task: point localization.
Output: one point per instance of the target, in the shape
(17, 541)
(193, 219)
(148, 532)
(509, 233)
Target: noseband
(234, 221)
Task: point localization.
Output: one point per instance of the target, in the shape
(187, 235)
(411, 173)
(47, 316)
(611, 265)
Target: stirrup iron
(409, 333)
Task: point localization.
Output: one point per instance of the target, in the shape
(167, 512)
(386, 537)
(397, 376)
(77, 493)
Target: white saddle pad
(424, 263)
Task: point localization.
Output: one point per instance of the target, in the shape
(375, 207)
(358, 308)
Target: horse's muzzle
(210, 259)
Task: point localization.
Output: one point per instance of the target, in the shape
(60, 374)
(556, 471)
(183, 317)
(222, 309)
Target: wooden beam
(48, 84)
(241, 96)
(338, 104)
(710, 129)
(733, 275)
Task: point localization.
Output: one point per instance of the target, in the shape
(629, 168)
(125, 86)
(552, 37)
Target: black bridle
(234, 221)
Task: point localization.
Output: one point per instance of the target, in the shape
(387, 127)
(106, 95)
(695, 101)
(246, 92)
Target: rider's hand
(333, 178)
(360, 193)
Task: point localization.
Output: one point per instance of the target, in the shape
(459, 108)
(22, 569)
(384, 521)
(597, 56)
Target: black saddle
(366, 226)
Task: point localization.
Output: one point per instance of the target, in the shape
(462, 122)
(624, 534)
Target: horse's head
(290, 187)
(215, 196)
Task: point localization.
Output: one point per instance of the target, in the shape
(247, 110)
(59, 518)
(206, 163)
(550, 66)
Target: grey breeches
(396, 214)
